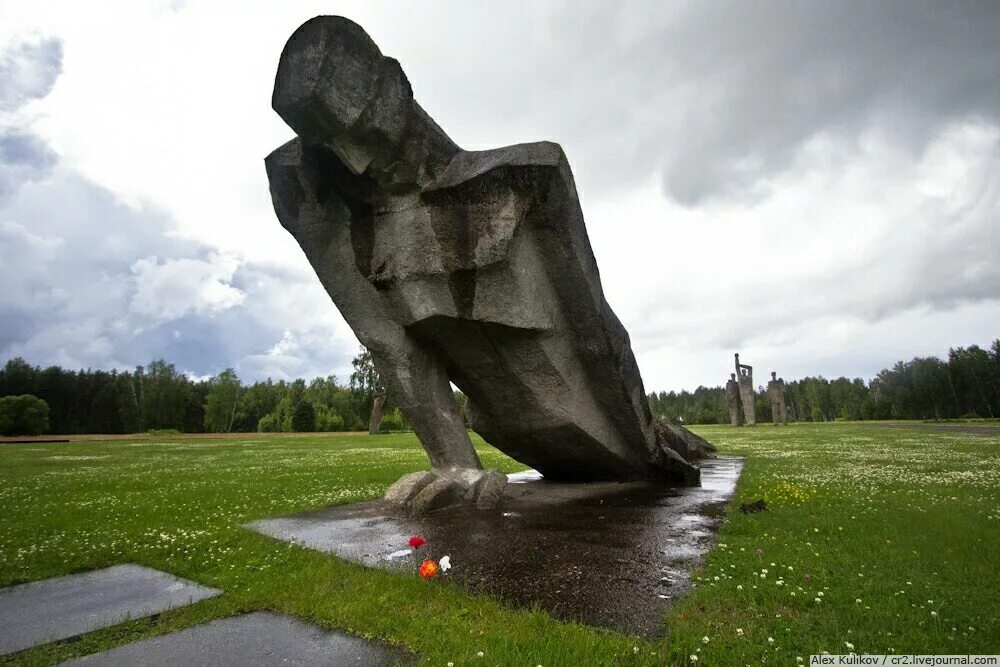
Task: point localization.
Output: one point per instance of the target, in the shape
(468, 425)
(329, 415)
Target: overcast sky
(814, 185)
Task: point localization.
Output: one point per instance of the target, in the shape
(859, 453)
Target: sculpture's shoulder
(468, 166)
(288, 154)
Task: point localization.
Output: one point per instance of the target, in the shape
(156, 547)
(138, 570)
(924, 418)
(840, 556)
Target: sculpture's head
(732, 376)
(774, 375)
(335, 87)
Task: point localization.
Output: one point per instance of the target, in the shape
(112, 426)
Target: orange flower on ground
(428, 569)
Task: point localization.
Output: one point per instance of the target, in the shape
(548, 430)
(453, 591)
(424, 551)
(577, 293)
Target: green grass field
(884, 540)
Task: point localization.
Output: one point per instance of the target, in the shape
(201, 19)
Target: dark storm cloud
(716, 96)
(771, 75)
(23, 157)
(27, 72)
(92, 281)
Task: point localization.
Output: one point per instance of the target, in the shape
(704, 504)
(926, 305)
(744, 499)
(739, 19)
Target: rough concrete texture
(43, 611)
(776, 395)
(683, 441)
(733, 400)
(471, 267)
(261, 638)
(611, 554)
(744, 375)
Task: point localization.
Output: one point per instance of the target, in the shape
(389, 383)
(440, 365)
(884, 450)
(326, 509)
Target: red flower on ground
(428, 569)
(416, 542)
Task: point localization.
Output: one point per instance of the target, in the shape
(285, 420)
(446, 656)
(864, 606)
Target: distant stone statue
(472, 267)
(747, 396)
(375, 418)
(733, 400)
(776, 394)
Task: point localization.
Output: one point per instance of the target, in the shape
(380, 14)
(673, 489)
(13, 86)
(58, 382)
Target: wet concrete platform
(260, 638)
(605, 554)
(61, 607)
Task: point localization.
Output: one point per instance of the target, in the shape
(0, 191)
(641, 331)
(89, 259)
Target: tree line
(159, 397)
(967, 385)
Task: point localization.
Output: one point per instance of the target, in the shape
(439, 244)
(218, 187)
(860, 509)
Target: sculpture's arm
(309, 206)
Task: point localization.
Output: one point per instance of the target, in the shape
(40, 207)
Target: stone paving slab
(605, 553)
(61, 607)
(261, 638)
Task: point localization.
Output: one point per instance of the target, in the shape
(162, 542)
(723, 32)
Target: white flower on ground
(770, 640)
(739, 631)
(933, 613)
(858, 600)
(818, 600)
(849, 645)
(445, 563)
(704, 640)
(693, 658)
(480, 654)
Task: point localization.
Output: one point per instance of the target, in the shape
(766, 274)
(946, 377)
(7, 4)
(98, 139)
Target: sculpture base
(605, 553)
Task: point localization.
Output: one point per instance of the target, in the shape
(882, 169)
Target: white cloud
(177, 287)
(813, 186)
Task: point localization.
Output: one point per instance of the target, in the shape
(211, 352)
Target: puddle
(606, 554)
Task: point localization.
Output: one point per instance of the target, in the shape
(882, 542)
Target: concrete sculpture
(471, 267)
(747, 396)
(733, 400)
(776, 394)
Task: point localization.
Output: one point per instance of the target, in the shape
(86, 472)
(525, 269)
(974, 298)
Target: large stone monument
(471, 267)
(776, 394)
(747, 397)
(733, 400)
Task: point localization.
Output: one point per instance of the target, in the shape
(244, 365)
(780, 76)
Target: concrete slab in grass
(611, 554)
(261, 638)
(62, 607)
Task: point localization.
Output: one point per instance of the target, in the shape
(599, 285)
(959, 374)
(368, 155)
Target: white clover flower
(849, 645)
(739, 631)
(480, 654)
(858, 600)
(818, 600)
(770, 640)
(704, 640)
(693, 658)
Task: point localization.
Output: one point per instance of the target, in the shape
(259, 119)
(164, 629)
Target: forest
(966, 385)
(159, 397)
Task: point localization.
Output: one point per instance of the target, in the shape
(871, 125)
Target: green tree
(304, 417)
(23, 415)
(221, 401)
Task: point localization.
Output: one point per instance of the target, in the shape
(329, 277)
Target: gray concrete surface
(61, 607)
(261, 638)
(605, 553)
(453, 266)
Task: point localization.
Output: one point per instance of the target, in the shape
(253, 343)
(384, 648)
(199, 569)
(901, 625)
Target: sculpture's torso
(458, 266)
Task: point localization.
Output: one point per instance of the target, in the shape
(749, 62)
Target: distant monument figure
(733, 400)
(375, 418)
(747, 396)
(776, 394)
(472, 267)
